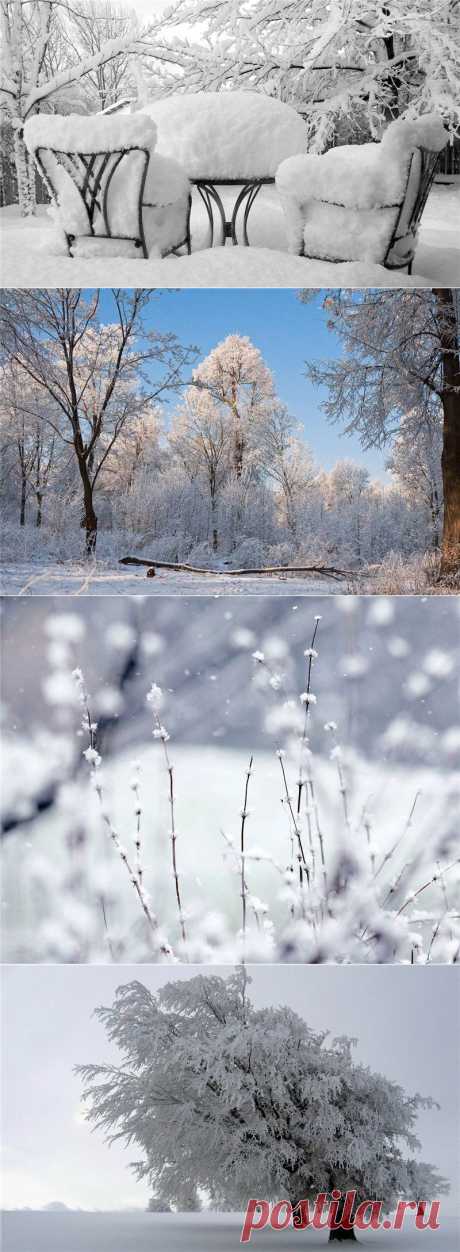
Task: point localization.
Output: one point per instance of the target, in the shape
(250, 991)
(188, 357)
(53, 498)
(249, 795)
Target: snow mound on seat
(332, 233)
(166, 182)
(238, 134)
(89, 134)
(361, 176)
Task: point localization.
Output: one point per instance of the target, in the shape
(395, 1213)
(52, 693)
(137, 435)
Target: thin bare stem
(162, 734)
(418, 892)
(295, 827)
(311, 657)
(94, 762)
(244, 817)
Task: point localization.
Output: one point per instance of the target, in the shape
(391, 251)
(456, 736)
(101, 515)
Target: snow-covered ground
(77, 579)
(30, 1231)
(26, 260)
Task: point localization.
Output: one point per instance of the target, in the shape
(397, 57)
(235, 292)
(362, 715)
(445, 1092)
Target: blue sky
(287, 333)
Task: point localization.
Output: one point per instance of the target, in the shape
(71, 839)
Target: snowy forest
(120, 439)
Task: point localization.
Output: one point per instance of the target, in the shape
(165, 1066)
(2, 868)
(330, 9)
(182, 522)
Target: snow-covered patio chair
(112, 194)
(363, 202)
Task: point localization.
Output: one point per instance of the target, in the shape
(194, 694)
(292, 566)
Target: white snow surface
(28, 259)
(80, 579)
(29, 1231)
(238, 134)
(97, 133)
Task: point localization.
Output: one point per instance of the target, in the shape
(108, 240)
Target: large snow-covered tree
(219, 432)
(239, 383)
(97, 377)
(49, 46)
(400, 356)
(237, 1102)
(347, 66)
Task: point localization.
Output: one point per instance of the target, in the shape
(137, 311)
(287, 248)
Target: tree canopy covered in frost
(348, 66)
(239, 1102)
(400, 375)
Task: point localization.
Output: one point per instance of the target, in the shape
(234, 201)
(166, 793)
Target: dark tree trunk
(22, 515)
(88, 519)
(336, 1235)
(345, 1215)
(38, 520)
(448, 330)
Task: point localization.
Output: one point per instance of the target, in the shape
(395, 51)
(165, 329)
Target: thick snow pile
(164, 215)
(238, 134)
(97, 133)
(330, 201)
(361, 176)
(27, 259)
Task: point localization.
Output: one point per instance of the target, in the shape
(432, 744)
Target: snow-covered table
(227, 139)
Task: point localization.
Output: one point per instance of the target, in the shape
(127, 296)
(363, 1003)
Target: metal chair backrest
(92, 174)
(401, 249)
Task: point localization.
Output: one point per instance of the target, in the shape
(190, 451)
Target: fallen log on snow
(328, 571)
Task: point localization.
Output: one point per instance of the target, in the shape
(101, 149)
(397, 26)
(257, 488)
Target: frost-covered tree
(240, 384)
(240, 1102)
(400, 356)
(90, 28)
(415, 462)
(31, 451)
(43, 60)
(347, 66)
(200, 443)
(221, 431)
(96, 376)
(289, 463)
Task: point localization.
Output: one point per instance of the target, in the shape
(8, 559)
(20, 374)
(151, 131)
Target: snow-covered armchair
(363, 202)
(112, 194)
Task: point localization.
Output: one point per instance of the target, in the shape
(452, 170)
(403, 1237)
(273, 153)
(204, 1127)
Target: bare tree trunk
(336, 1236)
(345, 1232)
(22, 515)
(25, 177)
(89, 518)
(39, 497)
(450, 461)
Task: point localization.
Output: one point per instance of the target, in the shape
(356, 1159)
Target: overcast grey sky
(406, 1020)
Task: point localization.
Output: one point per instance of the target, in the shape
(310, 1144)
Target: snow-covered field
(75, 579)
(148, 1232)
(26, 260)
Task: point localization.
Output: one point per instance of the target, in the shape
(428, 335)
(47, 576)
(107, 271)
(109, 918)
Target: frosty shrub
(320, 887)
(225, 1099)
